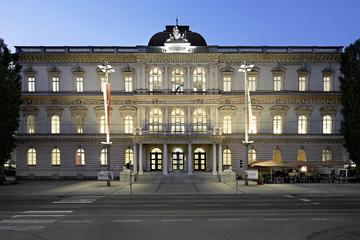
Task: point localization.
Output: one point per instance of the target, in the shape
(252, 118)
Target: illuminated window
(128, 84)
(252, 83)
(80, 157)
(129, 124)
(277, 83)
(31, 84)
(55, 84)
(227, 157)
(155, 120)
(79, 124)
(227, 124)
(302, 124)
(155, 81)
(277, 155)
(30, 124)
(31, 156)
(129, 156)
(102, 82)
(55, 156)
(302, 83)
(200, 120)
(253, 125)
(327, 124)
(102, 124)
(277, 124)
(177, 81)
(55, 124)
(326, 155)
(251, 155)
(327, 84)
(227, 83)
(177, 121)
(79, 84)
(301, 155)
(103, 157)
(199, 79)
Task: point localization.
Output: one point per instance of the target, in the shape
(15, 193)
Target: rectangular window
(227, 83)
(302, 83)
(102, 81)
(327, 83)
(55, 84)
(252, 83)
(79, 84)
(31, 84)
(277, 83)
(128, 84)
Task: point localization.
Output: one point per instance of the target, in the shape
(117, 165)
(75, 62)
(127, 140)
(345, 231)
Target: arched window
(55, 156)
(31, 156)
(301, 156)
(277, 155)
(103, 156)
(129, 124)
(102, 124)
(177, 81)
(326, 155)
(155, 120)
(177, 121)
(79, 124)
(199, 79)
(200, 120)
(227, 128)
(80, 157)
(155, 81)
(327, 124)
(129, 156)
(55, 124)
(251, 155)
(253, 125)
(30, 124)
(227, 157)
(277, 124)
(302, 124)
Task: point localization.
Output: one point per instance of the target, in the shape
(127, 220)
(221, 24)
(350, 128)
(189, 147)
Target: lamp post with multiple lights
(105, 87)
(246, 68)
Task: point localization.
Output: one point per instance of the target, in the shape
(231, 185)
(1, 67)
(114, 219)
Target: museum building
(177, 107)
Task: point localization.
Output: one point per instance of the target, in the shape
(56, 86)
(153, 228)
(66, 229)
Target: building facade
(177, 105)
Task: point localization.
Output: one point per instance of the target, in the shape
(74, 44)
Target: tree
(350, 99)
(10, 101)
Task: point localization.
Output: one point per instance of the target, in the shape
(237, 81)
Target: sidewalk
(73, 188)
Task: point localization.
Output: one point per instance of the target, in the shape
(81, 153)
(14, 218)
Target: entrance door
(199, 159)
(155, 159)
(178, 161)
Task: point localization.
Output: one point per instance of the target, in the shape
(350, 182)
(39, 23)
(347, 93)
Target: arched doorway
(178, 161)
(155, 159)
(199, 159)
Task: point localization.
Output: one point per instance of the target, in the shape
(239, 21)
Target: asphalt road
(318, 216)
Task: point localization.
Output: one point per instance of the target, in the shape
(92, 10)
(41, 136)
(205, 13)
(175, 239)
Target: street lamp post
(246, 68)
(105, 87)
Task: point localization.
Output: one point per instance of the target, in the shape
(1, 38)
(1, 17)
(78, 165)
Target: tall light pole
(246, 68)
(105, 87)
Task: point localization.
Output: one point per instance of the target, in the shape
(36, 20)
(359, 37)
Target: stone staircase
(176, 177)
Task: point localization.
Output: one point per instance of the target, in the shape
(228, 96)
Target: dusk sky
(226, 22)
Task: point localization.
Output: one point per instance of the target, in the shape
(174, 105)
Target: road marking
(177, 220)
(209, 205)
(321, 219)
(289, 196)
(73, 202)
(55, 211)
(277, 219)
(304, 200)
(27, 221)
(257, 204)
(76, 221)
(21, 228)
(128, 221)
(223, 219)
(32, 215)
(155, 205)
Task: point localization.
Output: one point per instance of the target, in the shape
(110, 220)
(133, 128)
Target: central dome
(195, 39)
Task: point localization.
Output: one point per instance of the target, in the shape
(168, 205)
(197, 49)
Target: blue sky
(133, 22)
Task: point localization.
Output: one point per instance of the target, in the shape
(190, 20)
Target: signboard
(252, 174)
(105, 175)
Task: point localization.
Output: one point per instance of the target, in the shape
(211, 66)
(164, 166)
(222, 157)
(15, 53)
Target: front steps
(177, 177)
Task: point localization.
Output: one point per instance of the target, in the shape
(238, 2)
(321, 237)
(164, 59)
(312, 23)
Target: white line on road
(155, 205)
(277, 219)
(257, 204)
(289, 196)
(304, 200)
(33, 215)
(321, 219)
(27, 221)
(208, 205)
(128, 221)
(73, 202)
(223, 219)
(47, 211)
(76, 221)
(177, 220)
(21, 228)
